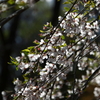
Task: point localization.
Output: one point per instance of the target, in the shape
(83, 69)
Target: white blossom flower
(18, 59)
(41, 41)
(33, 57)
(3, 7)
(17, 82)
(19, 1)
(42, 94)
(60, 18)
(96, 91)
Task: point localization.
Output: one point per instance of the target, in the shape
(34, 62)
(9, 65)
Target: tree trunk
(56, 10)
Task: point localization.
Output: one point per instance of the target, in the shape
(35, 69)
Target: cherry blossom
(54, 64)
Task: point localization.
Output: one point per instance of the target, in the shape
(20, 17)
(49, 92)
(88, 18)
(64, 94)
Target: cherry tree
(65, 61)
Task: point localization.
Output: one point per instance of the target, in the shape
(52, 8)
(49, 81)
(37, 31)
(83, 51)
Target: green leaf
(72, 41)
(75, 10)
(63, 37)
(13, 61)
(46, 40)
(36, 42)
(42, 31)
(63, 45)
(26, 50)
(26, 79)
(17, 68)
(67, 2)
(16, 97)
(31, 47)
(50, 24)
(11, 1)
(67, 8)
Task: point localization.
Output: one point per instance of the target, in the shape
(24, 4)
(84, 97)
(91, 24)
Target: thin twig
(90, 78)
(5, 20)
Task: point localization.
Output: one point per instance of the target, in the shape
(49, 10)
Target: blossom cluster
(54, 64)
